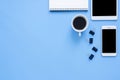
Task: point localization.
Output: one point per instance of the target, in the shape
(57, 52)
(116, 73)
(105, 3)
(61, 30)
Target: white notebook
(68, 4)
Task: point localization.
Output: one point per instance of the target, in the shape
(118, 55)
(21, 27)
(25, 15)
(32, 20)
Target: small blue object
(92, 32)
(94, 49)
(90, 40)
(91, 56)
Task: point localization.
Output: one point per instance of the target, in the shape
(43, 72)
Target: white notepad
(68, 4)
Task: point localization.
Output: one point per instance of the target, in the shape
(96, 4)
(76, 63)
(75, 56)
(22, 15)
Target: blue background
(36, 44)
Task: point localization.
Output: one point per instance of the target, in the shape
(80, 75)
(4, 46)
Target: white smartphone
(109, 41)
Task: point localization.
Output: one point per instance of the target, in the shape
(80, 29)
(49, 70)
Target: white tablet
(104, 9)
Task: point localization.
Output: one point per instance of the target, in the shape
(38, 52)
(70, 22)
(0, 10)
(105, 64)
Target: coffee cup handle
(79, 34)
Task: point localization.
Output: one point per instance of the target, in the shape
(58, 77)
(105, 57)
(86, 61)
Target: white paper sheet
(68, 4)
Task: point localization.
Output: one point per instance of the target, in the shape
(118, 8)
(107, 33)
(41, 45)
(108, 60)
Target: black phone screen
(109, 40)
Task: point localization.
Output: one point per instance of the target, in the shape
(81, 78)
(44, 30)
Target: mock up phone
(109, 41)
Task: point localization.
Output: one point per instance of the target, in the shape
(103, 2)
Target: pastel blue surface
(36, 44)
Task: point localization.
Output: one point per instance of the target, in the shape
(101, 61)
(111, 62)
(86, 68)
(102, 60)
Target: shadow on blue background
(75, 36)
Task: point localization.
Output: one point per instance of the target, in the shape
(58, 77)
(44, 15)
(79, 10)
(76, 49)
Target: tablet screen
(104, 8)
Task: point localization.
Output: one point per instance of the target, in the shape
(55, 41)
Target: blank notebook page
(68, 4)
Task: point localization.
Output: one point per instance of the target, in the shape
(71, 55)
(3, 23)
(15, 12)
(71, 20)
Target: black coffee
(79, 23)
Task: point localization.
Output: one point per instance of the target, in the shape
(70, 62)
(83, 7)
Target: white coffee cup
(79, 23)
